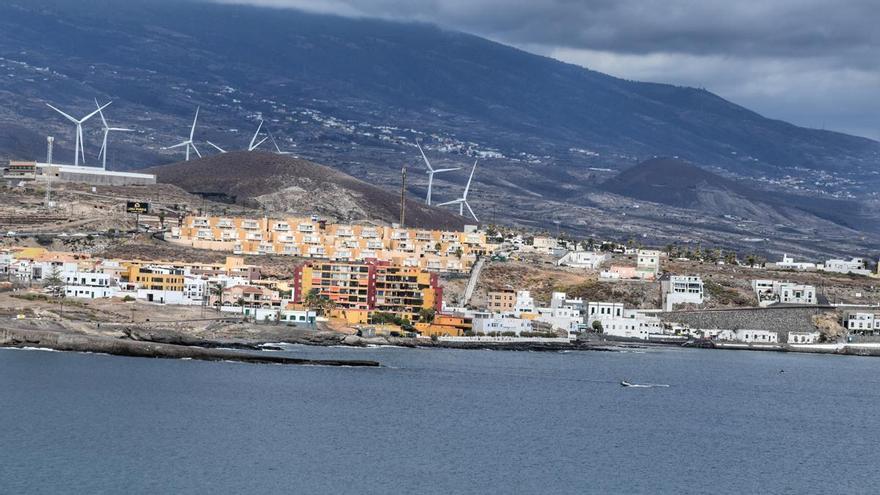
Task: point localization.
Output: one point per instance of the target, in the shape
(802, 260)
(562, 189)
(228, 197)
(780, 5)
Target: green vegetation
(426, 315)
(597, 326)
(391, 319)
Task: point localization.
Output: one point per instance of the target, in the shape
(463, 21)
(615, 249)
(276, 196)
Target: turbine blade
(178, 145)
(62, 113)
(192, 131)
(258, 144)
(453, 202)
(446, 169)
(470, 210)
(195, 149)
(468, 186)
(251, 145)
(424, 157)
(87, 117)
(221, 150)
(103, 120)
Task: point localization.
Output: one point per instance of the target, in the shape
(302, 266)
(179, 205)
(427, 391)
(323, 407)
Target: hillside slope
(281, 184)
(681, 184)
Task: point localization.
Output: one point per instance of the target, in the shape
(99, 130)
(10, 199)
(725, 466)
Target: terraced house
(432, 250)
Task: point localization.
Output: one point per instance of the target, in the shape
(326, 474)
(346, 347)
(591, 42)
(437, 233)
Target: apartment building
(681, 289)
(501, 301)
(433, 250)
(861, 322)
(372, 286)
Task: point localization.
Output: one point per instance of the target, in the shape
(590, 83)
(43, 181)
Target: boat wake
(627, 384)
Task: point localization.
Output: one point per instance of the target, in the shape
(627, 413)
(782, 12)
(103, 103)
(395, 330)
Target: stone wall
(786, 319)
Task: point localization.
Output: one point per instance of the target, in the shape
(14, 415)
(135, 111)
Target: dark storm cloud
(814, 62)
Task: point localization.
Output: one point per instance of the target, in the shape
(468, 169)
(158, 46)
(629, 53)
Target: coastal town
(436, 287)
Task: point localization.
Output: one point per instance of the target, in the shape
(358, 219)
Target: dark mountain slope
(284, 184)
(682, 185)
(407, 75)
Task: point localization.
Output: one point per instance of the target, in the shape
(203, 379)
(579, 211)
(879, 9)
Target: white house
(858, 266)
(788, 263)
(524, 303)
(175, 297)
(790, 293)
(617, 321)
(861, 322)
(582, 259)
(498, 323)
(682, 289)
(803, 337)
(89, 285)
(749, 336)
(648, 263)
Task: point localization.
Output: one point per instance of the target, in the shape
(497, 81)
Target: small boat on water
(624, 383)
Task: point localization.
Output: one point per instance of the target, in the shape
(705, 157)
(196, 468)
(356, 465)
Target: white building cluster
(769, 292)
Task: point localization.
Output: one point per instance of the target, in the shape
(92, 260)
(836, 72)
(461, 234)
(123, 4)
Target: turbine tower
(252, 146)
(462, 201)
(79, 151)
(431, 171)
(107, 130)
(189, 142)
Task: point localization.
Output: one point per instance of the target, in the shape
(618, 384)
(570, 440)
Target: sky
(814, 63)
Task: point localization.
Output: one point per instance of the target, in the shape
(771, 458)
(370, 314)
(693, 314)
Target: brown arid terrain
(726, 286)
(284, 185)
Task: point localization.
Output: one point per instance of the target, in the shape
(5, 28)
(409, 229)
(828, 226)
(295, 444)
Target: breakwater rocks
(124, 347)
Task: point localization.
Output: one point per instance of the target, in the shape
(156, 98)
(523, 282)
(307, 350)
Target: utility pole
(403, 196)
(49, 144)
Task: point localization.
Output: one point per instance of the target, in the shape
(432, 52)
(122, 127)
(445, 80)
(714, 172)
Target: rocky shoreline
(22, 338)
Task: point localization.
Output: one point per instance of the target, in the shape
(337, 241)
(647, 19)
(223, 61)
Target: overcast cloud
(812, 62)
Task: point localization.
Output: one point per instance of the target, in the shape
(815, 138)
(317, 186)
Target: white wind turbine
(79, 151)
(431, 171)
(462, 201)
(189, 142)
(107, 130)
(252, 146)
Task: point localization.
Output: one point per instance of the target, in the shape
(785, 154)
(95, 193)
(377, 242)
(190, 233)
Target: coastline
(70, 342)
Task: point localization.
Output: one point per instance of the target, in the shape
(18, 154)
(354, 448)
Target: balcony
(291, 250)
(311, 239)
(225, 223)
(266, 248)
(317, 251)
(281, 227)
(369, 233)
(344, 232)
(228, 236)
(250, 225)
(306, 228)
(400, 235)
(374, 244)
(254, 236)
(200, 222)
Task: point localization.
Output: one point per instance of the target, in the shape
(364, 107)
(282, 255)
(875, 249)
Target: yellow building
(433, 250)
(154, 278)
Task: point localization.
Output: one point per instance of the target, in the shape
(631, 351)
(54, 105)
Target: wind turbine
(221, 150)
(462, 201)
(252, 146)
(107, 130)
(431, 171)
(189, 142)
(79, 150)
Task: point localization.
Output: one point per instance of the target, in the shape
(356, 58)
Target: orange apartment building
(432, 250)
(371, 286)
